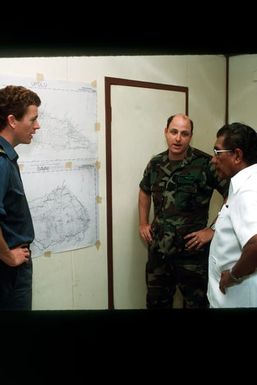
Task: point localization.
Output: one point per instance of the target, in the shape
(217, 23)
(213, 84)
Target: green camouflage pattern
(181, 193)
(191, 279)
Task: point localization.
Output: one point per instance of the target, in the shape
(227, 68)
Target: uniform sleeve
(244, 216)
(145, 183)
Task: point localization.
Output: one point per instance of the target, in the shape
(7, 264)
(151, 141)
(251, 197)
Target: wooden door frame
(111, 81)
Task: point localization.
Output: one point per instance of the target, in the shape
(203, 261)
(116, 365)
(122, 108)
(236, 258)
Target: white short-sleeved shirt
(235, 225)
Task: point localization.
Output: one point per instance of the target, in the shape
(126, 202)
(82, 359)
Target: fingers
(146, 236)
(194, 243)
(189, 236)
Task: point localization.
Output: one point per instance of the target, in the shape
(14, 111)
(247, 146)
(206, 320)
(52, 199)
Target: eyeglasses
(216, 152)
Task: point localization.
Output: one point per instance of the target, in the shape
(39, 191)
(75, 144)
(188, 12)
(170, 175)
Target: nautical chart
(58, 168)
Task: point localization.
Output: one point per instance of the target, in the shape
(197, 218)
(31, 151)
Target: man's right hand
(145, 232)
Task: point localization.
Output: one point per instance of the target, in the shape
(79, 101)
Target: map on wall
(58, 168)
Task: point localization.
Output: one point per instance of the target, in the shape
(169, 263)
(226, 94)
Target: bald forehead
(180, 120)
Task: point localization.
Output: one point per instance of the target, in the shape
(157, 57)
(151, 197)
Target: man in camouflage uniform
(181, 181)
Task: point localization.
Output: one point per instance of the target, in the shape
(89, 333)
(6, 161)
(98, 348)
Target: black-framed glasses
(216, 152)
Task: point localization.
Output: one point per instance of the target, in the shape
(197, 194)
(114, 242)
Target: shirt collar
(241, 177)
(8, 148)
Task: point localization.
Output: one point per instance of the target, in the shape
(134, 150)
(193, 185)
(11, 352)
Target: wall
(78, 279)
(243, 89)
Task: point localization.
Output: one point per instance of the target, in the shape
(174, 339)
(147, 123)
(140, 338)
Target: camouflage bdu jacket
(181, 192)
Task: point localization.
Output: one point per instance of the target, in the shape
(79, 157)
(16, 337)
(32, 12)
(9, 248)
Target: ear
(239, 155)
(11, 120)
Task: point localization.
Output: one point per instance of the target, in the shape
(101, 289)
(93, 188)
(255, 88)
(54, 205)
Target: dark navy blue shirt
(15, 218)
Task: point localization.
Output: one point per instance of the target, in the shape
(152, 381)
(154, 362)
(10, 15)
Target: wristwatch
(212, 226)
(234, 278)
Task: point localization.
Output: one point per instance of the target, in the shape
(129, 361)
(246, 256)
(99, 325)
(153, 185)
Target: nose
(178, 137)
(36, 125)
(214, 159)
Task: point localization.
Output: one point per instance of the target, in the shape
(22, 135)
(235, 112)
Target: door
(136, 115)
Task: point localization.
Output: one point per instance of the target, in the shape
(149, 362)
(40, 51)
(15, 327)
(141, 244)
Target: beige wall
(243, 89)
(78, 279)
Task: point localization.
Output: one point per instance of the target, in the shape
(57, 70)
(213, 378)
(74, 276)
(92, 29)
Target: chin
(222, 175)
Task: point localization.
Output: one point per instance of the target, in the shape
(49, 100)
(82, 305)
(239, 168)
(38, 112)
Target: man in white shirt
(233, 251)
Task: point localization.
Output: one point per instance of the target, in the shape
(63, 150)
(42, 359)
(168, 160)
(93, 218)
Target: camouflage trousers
(187, 271)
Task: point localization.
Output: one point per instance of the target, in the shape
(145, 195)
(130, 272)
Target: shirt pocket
(222, 217)
(214, 269)
(185, 196)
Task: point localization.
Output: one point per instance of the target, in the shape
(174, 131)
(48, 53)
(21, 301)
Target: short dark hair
(15, 100)
(173, 116)
(239, 135)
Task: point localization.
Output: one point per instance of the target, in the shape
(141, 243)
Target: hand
(16, 256)
(145, 232)
(198, 239)
(225, 281)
